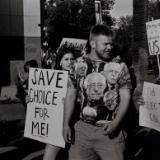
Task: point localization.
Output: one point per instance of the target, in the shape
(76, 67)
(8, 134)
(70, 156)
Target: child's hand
(27, 99)
(138, 99)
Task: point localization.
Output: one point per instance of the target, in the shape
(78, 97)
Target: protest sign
(44, 119)
(79, 45)
(149, 115)
(153, 36)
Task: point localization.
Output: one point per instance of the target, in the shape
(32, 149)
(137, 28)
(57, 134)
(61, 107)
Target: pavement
(13, 145)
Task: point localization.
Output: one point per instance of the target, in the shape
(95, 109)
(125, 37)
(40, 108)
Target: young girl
(64, 61)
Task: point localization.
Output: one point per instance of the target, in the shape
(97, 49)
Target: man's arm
(68, 110)
(125, 96)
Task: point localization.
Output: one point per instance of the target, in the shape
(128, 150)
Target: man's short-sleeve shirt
(98, 84)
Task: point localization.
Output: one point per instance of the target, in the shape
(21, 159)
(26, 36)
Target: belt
(100, 123)
(87, 121)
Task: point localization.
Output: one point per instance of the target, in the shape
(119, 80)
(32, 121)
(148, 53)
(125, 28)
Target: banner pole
(158, 65)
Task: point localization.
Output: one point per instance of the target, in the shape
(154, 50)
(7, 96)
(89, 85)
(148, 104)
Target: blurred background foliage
(71, 18)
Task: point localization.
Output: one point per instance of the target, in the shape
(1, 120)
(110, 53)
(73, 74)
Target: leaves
(154, 9)
(71, 18)
(77, 12)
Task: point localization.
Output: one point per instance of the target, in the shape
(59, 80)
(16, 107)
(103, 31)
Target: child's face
(67, 61)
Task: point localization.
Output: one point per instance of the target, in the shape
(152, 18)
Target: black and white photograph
(80, 80)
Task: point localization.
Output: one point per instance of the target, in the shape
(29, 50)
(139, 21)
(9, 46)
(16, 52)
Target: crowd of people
(100, 116)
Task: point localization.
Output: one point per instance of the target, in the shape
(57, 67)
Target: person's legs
(82, 149)
(110, 148)
(51, 152)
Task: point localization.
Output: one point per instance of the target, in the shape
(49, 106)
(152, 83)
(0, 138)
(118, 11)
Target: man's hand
(67, 134)
(109, 127)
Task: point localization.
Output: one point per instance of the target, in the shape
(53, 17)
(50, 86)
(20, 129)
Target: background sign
(44, 119)
(150, 112)
(153, 36)
(79, 45)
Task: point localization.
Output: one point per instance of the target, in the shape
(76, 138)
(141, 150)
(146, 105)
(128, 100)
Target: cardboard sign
(78, 44)
(150, 113)
(44, 119)
(153, 36)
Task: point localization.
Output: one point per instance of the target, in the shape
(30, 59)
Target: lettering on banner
(153, 47)
(43, 78)
(40, 128)
(43, 97)
(151, 105)
(153, 29)
(47, 89)
(150, 91)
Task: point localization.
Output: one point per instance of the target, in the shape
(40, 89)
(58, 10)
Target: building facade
(20, 36)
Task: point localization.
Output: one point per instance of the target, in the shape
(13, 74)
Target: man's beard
(107, 58)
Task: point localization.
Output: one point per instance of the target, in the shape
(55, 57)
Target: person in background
(21, 80)
(64, 61)
(105, 140)
(146, 140)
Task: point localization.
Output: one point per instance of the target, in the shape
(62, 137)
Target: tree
(87, 14)
(124, 37)
(153, 9)
(140, 46)
(125, 23)
(79, 14)
(107, 4)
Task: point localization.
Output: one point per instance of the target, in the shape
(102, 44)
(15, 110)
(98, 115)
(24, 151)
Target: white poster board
(153, 36)
(149, 115)
(44, 119)
(77, 44)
